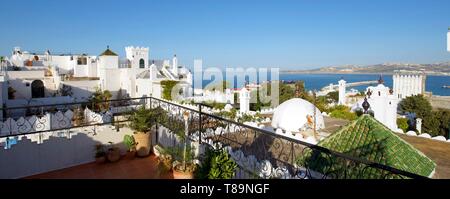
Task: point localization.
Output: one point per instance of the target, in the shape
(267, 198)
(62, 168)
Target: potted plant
(141, 121)
(78, 117)
(100, 153)
(113, 154)
(183, 166)
(165, 161)
(130, 143)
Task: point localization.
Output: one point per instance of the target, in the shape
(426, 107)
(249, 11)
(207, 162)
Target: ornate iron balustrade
(20, 121)
(264, 154)
(258, 153)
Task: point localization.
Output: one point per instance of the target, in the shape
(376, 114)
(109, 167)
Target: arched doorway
(141, 63)
(37, 89)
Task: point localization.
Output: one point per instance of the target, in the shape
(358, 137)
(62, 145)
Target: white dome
(425, 135)
(412, 133)
(293, 114)
(357, 105)
(440, 138)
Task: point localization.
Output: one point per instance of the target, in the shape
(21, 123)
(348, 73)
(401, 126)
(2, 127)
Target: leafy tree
(300, 88)
(444, 118)
(434, 123)
(402, 123)
(431, 125)
(342, 112)
(286, 92)
(417, 104)
(99, 100)
(333, 96)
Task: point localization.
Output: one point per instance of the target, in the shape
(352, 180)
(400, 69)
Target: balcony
(57, 141)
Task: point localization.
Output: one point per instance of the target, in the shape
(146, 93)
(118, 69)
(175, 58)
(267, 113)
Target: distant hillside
(387, 68)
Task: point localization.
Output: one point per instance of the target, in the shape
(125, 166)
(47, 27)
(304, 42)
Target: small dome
(296, 115)
(108, 52)
(411, 133)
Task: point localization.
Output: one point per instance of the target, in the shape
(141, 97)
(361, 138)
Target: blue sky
(287, 34)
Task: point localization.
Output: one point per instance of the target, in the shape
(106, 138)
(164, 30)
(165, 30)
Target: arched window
(141, 63)
(37, 89)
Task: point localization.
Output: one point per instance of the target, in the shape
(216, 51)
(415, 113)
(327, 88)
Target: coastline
(351, 73)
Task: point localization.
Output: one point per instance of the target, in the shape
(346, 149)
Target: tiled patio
(125, 168)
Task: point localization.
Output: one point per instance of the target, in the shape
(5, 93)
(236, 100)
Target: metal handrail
(204, 114)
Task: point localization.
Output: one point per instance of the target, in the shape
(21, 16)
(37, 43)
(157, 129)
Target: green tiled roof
(108, 52)
(368, 139)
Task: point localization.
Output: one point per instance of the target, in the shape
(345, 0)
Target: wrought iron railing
(264, 154)
(258, 153)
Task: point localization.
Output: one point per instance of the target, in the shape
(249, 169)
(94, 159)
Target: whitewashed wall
(29, 158)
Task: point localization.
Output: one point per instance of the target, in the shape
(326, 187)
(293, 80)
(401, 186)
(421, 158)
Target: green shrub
(342, 112)
(217, 164)
(98, 102)
(228, 114)
(142, 119)
(402, 123)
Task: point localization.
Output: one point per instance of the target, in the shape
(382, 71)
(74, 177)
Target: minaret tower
(175, 65)
(342, 85)
(244, 98)
(448, 39)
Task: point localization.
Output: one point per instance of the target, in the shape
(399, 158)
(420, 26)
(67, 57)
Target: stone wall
(440, 102)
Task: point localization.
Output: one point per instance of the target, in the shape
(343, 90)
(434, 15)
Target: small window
(27, 84)
(136, 89)
(82, 61)
(141, 63)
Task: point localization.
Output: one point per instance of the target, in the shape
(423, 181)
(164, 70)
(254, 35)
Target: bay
(317, 81)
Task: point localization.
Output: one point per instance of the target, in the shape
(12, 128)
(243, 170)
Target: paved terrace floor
(125, 168)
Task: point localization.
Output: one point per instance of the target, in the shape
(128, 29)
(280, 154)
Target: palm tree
(100, 100)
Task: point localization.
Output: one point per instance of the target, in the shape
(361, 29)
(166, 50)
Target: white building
(39, 76)
(342, 99)
(244, 100)
(408, 83)
(448, 40)
(383, 103)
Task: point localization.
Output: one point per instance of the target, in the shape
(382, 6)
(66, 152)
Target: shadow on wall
(28, 158)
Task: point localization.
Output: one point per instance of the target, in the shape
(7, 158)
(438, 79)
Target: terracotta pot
(182, 175)
(179, 174)
(100, 160)
(113, 154)
(143, 143)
